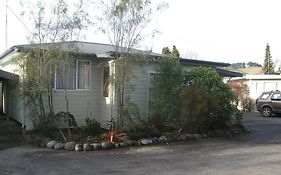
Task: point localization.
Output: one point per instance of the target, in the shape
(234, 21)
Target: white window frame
(76, 74)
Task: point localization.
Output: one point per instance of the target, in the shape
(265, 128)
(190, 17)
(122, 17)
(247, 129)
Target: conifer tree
(267, 64)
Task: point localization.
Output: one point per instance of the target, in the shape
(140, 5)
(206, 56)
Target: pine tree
(267, 64)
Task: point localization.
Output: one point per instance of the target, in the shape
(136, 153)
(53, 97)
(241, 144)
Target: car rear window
(264, 96)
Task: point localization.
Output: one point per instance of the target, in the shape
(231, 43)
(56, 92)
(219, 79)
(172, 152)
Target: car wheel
(266, 111)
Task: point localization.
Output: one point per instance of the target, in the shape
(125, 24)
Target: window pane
(84, 70)
(66, 77)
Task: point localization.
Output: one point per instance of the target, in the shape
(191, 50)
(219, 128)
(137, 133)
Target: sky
(218, 30)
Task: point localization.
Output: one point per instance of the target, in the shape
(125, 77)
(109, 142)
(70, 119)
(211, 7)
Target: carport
(7, 79)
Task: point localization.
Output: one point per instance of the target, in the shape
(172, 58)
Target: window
(83, 74)
(265, 96)
(74, 76)
(276, 96)
(66, 77)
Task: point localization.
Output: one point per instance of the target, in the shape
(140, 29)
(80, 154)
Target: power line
(19, 20)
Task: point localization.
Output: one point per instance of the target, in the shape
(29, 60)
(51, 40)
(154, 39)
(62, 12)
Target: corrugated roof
(105, 50)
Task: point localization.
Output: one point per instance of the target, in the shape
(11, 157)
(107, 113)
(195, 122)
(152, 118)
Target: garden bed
(105, 145)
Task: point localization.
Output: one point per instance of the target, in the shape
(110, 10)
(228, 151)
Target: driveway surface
(258, 153)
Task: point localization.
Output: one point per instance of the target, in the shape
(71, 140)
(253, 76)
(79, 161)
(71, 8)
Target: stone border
(71, 146)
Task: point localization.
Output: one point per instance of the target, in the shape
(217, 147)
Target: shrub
(168, 84)
(92, 127)
(198, 109)
(143, 129)
(241, 92)
(220, 94)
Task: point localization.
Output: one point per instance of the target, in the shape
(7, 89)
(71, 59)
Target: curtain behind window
(83, 75)
(66, 78)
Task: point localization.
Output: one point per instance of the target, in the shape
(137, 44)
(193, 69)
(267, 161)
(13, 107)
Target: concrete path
(258, 153)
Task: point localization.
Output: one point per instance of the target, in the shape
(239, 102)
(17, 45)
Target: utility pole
(6, 27)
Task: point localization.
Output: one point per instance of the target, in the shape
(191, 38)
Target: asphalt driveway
(258, 152)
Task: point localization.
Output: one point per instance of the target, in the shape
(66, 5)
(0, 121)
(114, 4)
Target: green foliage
(198, 109)
(166, 97)
(67, 118)
(92, 127)
(175, 53)
(143, 129)
(268, 64)
(211, 82)
(167, 52)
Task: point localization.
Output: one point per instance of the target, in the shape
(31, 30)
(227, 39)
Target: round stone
(78, 147)
(51, 144)
(106, 145)
(70, 146)
(59, 146)
(87, 147)
(97, 146)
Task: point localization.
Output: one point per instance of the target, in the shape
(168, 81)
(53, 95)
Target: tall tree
(54, 24)
(123, 22)
(268, 64)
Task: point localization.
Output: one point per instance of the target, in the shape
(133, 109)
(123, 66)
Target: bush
(92, 127)
(143, 129)
(219, 94)
(168, 84)
(246, 104)
(198, 109)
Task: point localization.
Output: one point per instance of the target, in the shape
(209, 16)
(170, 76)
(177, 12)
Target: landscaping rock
(106, 145)
(70, 146)
(51, 144)
(117, 145)
(59, 146)
(87, 147)
(78, 147)
(146, 141)
(154, 140)
(44, 142)
(162, 139)
(139, 143)
(123, 144)
(97, 146)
